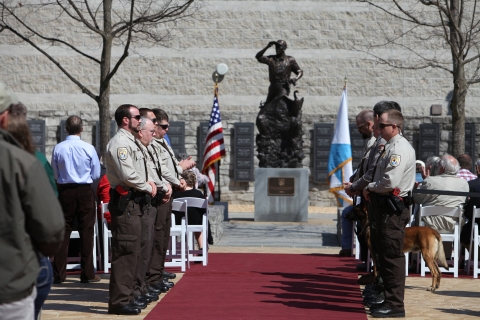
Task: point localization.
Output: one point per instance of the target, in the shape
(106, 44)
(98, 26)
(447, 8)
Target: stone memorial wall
(178, 78)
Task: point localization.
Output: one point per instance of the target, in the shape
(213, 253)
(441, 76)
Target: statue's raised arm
(280, 117)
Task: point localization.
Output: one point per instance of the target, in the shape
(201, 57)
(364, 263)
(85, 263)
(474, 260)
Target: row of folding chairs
(454, 238)
(181, 252)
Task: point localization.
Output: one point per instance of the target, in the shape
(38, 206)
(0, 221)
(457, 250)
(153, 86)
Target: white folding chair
(177, 260)
(407, 255)
(190, 229)
(107, 235)
(474, 243)
(74, 262)
(455, 212)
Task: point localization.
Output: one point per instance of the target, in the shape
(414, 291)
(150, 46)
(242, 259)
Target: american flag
(214, 146)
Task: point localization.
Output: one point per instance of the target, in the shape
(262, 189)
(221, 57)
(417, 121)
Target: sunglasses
(384, 125)
(137, 117)
(163, 126)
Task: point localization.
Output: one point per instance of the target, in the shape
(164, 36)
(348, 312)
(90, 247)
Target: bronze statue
(279, 141)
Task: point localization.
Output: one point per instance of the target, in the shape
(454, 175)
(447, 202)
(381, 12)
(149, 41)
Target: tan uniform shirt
(152, 164)
(125, 163)
(395, 168)
(168, 158)
(446, 182)
(372, 156)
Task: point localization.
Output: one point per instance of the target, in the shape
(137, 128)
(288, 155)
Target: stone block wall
(178, 78)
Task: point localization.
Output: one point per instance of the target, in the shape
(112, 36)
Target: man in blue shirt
(75, 165)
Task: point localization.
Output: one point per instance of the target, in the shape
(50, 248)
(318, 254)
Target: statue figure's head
(280, 47)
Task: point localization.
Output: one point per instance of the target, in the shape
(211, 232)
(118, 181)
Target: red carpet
(265, 286)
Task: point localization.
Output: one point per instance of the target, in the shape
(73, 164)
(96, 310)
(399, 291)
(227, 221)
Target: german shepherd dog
(424, 239)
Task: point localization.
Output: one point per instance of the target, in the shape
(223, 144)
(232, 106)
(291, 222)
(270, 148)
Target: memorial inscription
(37, 128)
(176, 133)
(243, 151)
(284, 186)
(322, 139)
(429, 141)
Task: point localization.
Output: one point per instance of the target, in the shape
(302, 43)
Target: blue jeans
(346, 229)
(44, 283)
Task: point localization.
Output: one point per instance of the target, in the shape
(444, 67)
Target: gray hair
(432, 164)
(449, 164)
(144, 122)
(478, 162)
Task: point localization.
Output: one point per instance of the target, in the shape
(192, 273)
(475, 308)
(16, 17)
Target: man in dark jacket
(474, 186)
(31, 222)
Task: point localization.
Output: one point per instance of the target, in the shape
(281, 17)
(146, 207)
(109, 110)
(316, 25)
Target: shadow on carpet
(259, 286)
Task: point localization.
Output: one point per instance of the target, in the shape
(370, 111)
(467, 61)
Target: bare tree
(433, 34)
(95, 28)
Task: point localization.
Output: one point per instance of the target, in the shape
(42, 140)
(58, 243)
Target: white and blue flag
(340, 158)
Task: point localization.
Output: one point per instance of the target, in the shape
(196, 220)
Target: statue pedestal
(281, 194)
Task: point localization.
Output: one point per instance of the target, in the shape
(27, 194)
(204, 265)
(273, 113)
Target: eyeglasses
(151, 131)
(163, 126)
(137, 117)
(384, 125)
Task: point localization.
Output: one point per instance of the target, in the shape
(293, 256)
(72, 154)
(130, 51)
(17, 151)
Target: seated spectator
(474, 186)
(420, 169)
(195, 215)
(465, 162)
(431, 167)
(446, 180)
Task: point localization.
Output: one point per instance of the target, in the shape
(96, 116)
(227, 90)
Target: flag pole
(217, 176)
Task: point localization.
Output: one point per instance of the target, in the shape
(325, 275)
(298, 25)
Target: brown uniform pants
(77, 200)
(161, 240)
(391, 235)
(146, 245)
(126, 237)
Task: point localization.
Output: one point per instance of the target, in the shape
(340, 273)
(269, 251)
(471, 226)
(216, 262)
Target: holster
(157, 200)
(120, 197)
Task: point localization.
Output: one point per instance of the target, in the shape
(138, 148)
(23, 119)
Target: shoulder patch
(122, 153)
(395, 160)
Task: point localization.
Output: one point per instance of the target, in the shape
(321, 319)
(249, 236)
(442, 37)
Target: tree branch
(105, 83)
(43, 37)
(91, 15)
(94, 28)
(165, 13)
(81, 86)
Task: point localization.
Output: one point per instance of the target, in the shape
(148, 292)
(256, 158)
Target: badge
(395, 160)
(122, 153)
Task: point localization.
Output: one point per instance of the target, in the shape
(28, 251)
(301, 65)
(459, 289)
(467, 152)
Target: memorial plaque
(470, 132)
(284, 186)
(244, 152)
(322, 140)
(62, 133)
(244, 175)
(428, 141)
(243, 144)
(37, 129)
(176, 134)
(358, 144)
(243, 163)
(201, 139)
(113, 131)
